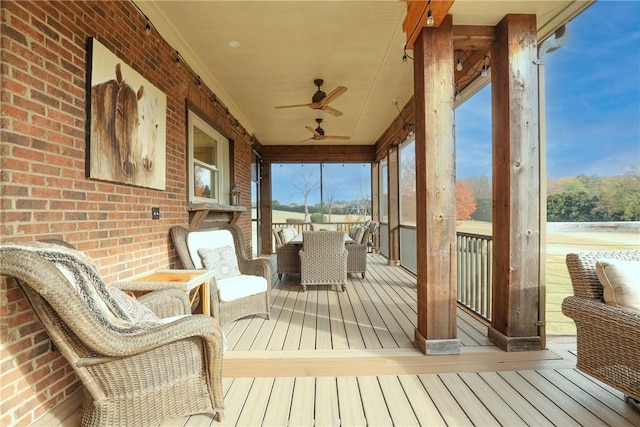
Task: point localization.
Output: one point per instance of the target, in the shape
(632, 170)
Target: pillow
(222, 260)
(137, 311)
(287, 234)
(621, 282)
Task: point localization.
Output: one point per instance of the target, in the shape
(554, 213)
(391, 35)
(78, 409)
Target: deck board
(333, 358)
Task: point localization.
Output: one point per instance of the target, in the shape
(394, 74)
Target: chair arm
(166, 302)
(118, 345)
(256, 267)
(593, 312)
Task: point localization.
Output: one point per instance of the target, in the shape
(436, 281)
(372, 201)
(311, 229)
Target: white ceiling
(285, 45)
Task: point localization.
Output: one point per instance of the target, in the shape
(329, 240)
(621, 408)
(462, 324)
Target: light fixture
(147, 27)
(459, 64)
(177, 60)
(430, 20)
(405, 55)
(457, 93)
(485, 68)
(407, 127)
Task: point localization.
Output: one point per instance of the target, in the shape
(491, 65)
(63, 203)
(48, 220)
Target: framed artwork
(126, 123)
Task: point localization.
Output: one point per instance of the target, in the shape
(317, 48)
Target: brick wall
(44, 191)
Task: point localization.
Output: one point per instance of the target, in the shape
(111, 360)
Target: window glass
(408, 183)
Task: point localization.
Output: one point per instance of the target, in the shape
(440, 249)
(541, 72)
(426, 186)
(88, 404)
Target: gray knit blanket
(84, 276)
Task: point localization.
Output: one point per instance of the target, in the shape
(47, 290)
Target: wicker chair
(287, 256)
(608, 336)
(187, 243)
(142, 377)
(323, 259)
(357, 258)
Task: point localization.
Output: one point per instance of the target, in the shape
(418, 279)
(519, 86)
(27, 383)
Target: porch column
(435, 190)
(393, 206)
(265, 207)
(375, 199)
(516, 186)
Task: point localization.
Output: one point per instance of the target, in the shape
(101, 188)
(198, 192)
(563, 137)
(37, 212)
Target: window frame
(222, 166)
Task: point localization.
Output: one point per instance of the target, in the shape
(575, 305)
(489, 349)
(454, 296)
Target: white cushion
(286, 234)
(241, 286)
(209, 239)
(222, 261)
(621, 282)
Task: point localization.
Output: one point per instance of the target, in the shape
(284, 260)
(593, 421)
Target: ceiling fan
(320, 100)
(318, 133)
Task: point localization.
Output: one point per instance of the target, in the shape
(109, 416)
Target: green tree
(620, 197)
(570, 206)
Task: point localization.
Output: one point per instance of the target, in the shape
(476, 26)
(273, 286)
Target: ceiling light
(459, 65)
(234, 43)
(430, 20)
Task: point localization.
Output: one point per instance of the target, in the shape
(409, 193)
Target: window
(208, 163)
(408, 183)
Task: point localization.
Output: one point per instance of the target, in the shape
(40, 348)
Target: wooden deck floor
(332, 358)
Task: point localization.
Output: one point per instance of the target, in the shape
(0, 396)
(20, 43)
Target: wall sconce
(235, 196)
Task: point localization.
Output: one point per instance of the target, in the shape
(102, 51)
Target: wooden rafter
(417, 17)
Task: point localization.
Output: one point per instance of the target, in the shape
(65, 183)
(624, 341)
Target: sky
(592, 100)
(592, 109)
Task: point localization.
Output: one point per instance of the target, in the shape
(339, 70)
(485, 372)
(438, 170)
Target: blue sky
(593, 100)
(592, 108)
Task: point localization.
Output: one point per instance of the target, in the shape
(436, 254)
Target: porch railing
(474, 272)
(473, 269)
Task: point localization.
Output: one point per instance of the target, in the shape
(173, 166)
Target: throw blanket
(83, 275)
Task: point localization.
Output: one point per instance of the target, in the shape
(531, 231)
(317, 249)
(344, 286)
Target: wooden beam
(265, 207)
(318, 153)
(416, 18)
(473, 37)
(516, 186)
(435, 190)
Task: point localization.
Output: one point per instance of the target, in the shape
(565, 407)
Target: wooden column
(375, 198)
(265, 207)
(435, 190)
(394, 205)
(516, 186)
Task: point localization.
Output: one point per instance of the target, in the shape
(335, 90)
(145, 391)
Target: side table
(185, 280)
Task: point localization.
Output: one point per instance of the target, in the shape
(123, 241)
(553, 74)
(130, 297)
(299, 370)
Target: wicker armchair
(136, 376)
(357, 258)
(254, 273)
(608, 336)
(287, 256)
(323, 259)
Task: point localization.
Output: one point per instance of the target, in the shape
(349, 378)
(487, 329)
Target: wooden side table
(185, 280)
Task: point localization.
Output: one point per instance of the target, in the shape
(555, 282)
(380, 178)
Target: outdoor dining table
(298, 239)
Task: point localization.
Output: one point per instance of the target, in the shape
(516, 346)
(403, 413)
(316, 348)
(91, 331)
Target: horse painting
(127, 137)
(114, 129)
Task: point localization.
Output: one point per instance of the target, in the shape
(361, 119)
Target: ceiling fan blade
(333, 95)
(293, 106)
(313, 131)
(331, 111)
(341, 138)
(305, 140)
